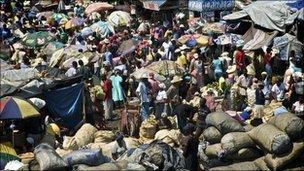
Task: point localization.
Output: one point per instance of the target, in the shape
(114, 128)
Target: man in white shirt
(142, 92)
(72, 71)
(278, 90)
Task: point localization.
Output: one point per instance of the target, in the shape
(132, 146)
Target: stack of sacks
(271, 146)
(226, 142)
(293, 127)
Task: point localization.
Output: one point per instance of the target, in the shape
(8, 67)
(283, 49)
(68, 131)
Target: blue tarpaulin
(298, 4)
(65, 104)
(210, 5)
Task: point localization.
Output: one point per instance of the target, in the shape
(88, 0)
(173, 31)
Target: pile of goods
(228, 145)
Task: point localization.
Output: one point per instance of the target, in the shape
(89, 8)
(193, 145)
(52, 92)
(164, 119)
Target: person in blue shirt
(5, 32)
(109, 56)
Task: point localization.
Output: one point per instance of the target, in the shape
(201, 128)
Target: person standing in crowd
(173, 94)
(160, 101)
(278, 90)
(84, 70)
(107, 102)
(298, 107)
(239, 57)
(217, 67)
(142, 92)
(117, 93)
(259, 102)
(71, 72)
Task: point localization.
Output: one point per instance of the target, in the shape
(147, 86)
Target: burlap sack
(132, 142)
(148, 128)
(212, 151)
(238, 166)
(292, 125)
(278, 162)
(212, 135)
(260, 162)
(69, 143)
(244, 154)
(270, 138)
(62, 152)
(85, 135)
(104, 136)
(248, 127)
(171, 137)
(234, 141)
(223, 122)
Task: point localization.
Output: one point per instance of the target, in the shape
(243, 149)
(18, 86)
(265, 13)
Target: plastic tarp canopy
(210, 5)
(268, 14)
(20, 76)
(65, 104)
(297, 4)
(285, 44)
(260, 39)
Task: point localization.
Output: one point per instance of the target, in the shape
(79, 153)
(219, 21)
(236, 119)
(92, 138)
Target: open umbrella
(36, 40)
(7, 154)
(87, 31)
(119, 18)
(16, 108)
(127, 46)
(138, 73)
(52, 47)
(166, 68)
(74, 22)
(97, 7)
(58, 16)
(216, 28)
(102, 28)
(196, 38)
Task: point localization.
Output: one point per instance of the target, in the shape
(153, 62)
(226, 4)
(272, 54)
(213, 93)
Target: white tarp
(268, 14)
(260, 39)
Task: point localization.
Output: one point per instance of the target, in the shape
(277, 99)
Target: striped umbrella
(16, 108)
(7, 154)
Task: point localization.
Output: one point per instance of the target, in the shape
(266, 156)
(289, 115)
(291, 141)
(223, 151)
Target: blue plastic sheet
(65, 104)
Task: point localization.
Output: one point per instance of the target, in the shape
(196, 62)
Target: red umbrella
(99, 6)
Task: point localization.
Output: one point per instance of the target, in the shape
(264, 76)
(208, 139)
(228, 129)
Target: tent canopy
(210, 5)
(270, 15)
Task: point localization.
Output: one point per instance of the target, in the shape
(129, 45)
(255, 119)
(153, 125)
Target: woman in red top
(239, 56)
(107, 103)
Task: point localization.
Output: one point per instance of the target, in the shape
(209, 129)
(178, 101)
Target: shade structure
(36, 40)
(7, 154)
(119, 18)
(199, 39)
(102, 28)
(16, 108)
(166, 68)
(97, 7)
(138, 73)
(216, 28)
(127, 46)
(52, 47)
(74, 22)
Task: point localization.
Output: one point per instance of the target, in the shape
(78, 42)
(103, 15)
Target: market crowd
(200, 78)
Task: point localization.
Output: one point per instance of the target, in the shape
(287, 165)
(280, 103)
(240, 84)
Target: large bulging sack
(238, 166)
(85, 135)
(48, 159)
(292, 125)
(212, 135)
(271, 139)
(277, 162)
(234, 141)
(171, 137)
(223, 122)
(69, 143)
(104, 136)
(148, 128)
(212, 151)
(85, 156)
(244, 154)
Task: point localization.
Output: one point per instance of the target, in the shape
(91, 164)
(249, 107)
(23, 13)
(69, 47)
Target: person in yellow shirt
(181, 58)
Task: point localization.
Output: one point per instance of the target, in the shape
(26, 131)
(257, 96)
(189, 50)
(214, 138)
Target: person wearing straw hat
(173, 93)
(142, 92)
